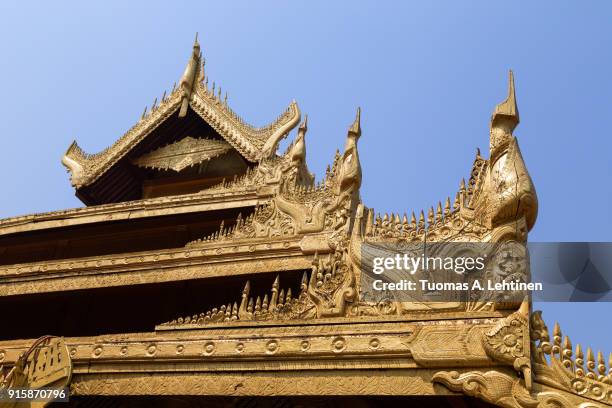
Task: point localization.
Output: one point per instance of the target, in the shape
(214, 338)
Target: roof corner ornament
(190, 76)
(510, 193)
(504, 120)
(508, 342)
(351, 168)
(291, 118)
(73, 161)
(298, 150)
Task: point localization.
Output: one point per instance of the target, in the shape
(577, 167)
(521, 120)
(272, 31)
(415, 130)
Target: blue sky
(427, 75)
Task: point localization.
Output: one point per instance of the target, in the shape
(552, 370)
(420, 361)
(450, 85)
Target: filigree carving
(492, 386)
(277, 305)
(332, 283)
(300, 208)
(497, 199)
(265, 222)
(289, 168)
(557, 364)
(329, 205)
(508, 342)
(328, 292)
(503, 390)
(185, 153)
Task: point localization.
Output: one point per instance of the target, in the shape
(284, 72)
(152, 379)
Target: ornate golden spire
(190, 76)
(503, 121)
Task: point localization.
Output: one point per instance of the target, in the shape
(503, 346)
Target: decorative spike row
(395, 226)
(574, 362)
(266, 307)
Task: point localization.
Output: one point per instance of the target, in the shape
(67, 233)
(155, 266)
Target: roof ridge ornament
(190, 76)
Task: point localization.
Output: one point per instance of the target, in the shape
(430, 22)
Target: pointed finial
(355, 128)
(202, 74)
(566, 354)
(191, 74)
(288, 296)
(590, 363)
(601, 366)
(304, 283)
(508, 107)
(579, 361)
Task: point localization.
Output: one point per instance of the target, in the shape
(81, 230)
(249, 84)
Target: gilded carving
(185, 153)
(557, 364)
(508, 342)
(503, 390)
(255, 144)
(292, 223)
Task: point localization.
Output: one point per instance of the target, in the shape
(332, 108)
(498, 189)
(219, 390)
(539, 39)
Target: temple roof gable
(192, 100)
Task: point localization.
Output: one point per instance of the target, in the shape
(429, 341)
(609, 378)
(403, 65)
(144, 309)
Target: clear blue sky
(427, 75)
